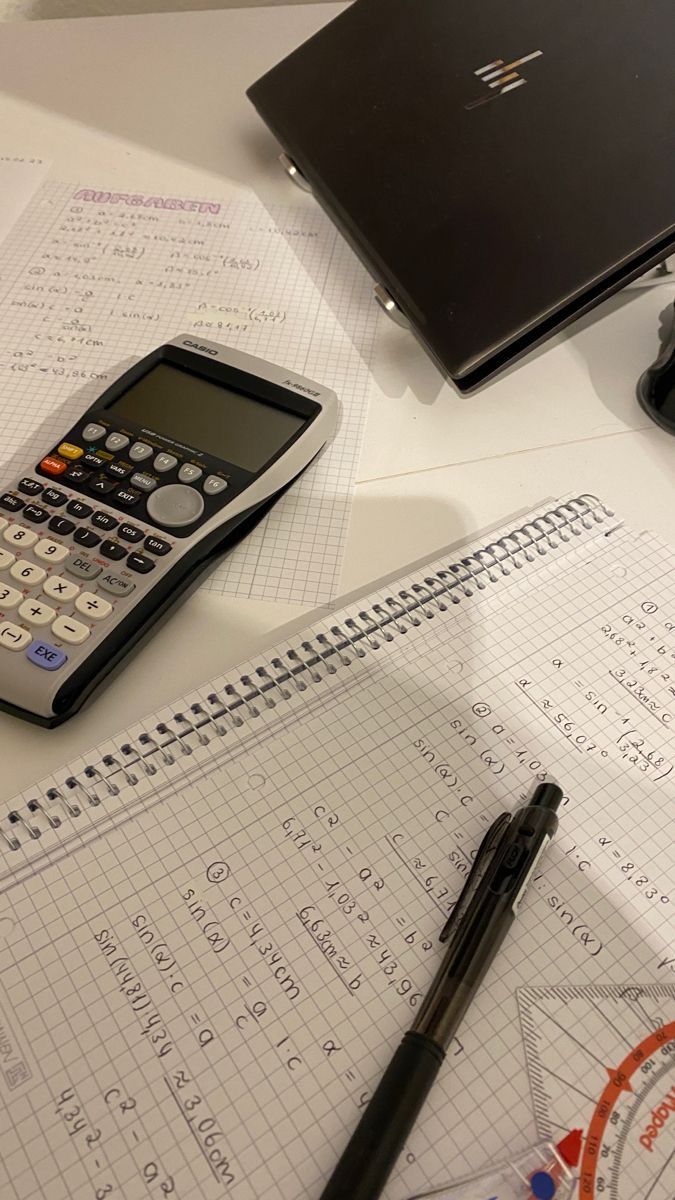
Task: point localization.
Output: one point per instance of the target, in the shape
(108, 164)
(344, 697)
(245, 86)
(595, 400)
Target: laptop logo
(502, 77)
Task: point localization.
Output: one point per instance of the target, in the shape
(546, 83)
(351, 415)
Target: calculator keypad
(83, 567)
(56, 591)
(58, 588)
(86, 537)
(44, 655)
(52, 552)
(168, 486)
(70, 630)
(28, 574)
(62, 525)
(113, 551)
(9, 597)
(53, 497)
(129, 533)
(35, 613)
(30, 487)
(13, 637)
(68, 450)
(35, 514)
(11, 503)
(19, 535)
(92, 606)
(78, 509)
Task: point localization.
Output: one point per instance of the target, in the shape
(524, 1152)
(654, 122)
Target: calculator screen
(209, 416)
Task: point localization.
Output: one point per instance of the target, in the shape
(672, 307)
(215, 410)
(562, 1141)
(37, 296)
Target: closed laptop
(500, 168)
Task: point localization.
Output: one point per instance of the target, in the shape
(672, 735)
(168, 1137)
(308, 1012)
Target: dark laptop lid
(499, 166)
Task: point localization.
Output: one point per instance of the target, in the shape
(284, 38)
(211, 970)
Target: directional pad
(175, 505)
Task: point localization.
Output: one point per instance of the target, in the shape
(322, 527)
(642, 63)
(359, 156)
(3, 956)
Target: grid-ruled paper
(91, 280)
(205, 973)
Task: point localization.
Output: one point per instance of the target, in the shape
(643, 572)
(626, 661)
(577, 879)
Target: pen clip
(487, 848)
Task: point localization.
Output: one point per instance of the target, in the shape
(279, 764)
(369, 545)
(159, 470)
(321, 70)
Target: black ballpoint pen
(480, 920)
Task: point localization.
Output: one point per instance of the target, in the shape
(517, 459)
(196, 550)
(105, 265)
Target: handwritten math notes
(213, 963)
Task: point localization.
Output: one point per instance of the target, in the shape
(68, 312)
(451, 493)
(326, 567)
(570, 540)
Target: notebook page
(89, 279)
(207, 987)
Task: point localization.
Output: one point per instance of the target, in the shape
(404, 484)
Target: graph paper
(209, 961)
(92, 280)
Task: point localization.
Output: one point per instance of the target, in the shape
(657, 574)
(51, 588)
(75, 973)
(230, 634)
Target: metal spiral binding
(305, 666)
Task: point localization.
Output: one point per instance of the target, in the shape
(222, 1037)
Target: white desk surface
(161, 98)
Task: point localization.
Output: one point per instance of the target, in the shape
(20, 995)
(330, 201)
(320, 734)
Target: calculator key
(49, 551)
(127, 497)
(58, 588)
(70, 451)
(76, 508)
(113, 551)
(157, 545)
(144, 482)
(54, 497)
(9, 597)
(83, 567)
(61, 525)
(93, 461)
(140, 451)
(13, 637)
(69, 629)
(137, 562)
(129, 533)
(175, 505)
(119, 470)
(189, 473)
(28, 574)
(53, 466)
(93, 432)
(18, 535)
(86, 537)
(37, 515)
(3, 523)
(77, 474)
(37, 613)
(213, 484)
(11, 503)
(104, 521)
(44, 655)
(114, 584)
(95, 608)
(102, 485)
(30, 487)
(165, 462)
(116, 441)
(6, 559)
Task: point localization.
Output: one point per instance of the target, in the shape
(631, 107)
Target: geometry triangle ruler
(603, 1058)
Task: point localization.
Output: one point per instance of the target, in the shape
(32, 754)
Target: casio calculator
(172, 465)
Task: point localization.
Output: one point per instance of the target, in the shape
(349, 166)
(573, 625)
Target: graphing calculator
(174, 463)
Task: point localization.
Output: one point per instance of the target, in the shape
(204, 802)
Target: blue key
(50, 658)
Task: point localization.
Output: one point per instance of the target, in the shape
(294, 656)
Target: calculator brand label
(203, 349)
(500, 77)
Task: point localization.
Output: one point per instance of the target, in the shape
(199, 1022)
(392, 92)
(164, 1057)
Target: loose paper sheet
(93, 279)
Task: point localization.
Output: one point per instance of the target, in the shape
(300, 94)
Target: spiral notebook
(216, 927)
